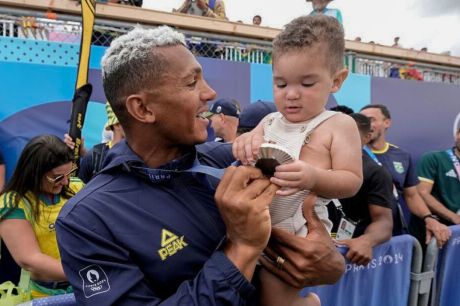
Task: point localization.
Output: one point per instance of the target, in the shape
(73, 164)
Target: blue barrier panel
(448, 288)
(384, 281)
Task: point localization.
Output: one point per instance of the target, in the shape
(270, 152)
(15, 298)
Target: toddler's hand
(293, 177)
(246, 146)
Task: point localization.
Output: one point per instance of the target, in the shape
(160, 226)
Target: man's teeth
(201, 115)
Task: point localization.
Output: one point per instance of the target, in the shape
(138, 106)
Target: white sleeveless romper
(286, 211)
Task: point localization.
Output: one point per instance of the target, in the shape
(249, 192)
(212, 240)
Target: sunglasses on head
(60, 177)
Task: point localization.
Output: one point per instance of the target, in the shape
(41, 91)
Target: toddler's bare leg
(274, 292)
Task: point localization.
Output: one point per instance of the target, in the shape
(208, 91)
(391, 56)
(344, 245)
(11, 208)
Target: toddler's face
(302, 82)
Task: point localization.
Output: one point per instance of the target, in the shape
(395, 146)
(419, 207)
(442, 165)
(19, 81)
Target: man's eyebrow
(195, 70)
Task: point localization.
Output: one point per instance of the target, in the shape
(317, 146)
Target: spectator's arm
(2, 176)
(418, 207)
(381, 227)
(26, 251)
(434, 205)
(415, 202)
(377, 232)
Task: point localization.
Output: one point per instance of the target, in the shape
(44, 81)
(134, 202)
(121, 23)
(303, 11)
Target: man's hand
(359, 250)
(440, 231)
(455, 219)
(309, 261)
(246, 147)
(243, 197)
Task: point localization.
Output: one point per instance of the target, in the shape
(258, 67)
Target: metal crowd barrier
(425, 277)
(446, 292)
(386, 280)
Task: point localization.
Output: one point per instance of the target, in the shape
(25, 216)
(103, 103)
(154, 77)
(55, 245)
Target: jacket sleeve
(103, 273)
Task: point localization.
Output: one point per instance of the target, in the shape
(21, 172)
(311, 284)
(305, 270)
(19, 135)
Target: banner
(384, 281)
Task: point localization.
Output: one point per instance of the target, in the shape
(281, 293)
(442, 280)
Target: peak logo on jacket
(170, 244)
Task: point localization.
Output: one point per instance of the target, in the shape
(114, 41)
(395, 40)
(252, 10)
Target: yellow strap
(24, 280)
(88, 8)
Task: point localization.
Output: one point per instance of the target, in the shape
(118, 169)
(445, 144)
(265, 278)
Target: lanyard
(161, 175)
(374, 158)
(455, 161)
(372, 155)
(214, 172)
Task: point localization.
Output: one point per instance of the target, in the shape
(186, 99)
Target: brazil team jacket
(139, 236)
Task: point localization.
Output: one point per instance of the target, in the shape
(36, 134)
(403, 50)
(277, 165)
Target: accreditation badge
(346, 229)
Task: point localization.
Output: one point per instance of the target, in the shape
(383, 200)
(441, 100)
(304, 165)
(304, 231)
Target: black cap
(224, 106)
(254, 113)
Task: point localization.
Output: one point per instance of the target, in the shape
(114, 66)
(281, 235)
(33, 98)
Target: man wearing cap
(224, 115)
(253, 114)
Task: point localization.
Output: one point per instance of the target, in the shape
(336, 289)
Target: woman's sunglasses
(59, 178)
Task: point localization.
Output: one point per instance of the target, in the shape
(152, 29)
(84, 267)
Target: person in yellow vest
(29, 205)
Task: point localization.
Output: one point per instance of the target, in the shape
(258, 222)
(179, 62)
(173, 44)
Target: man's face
(379, 123)
(302, 82)
(179, 98)
(256, 20)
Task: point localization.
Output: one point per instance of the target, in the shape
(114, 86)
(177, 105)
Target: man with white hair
(151, 227)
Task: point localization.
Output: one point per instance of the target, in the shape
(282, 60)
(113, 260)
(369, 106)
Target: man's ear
(139, 109)
(338, 79)
(386, 123)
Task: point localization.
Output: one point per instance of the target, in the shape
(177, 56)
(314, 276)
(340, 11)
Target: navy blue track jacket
(139, 236)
